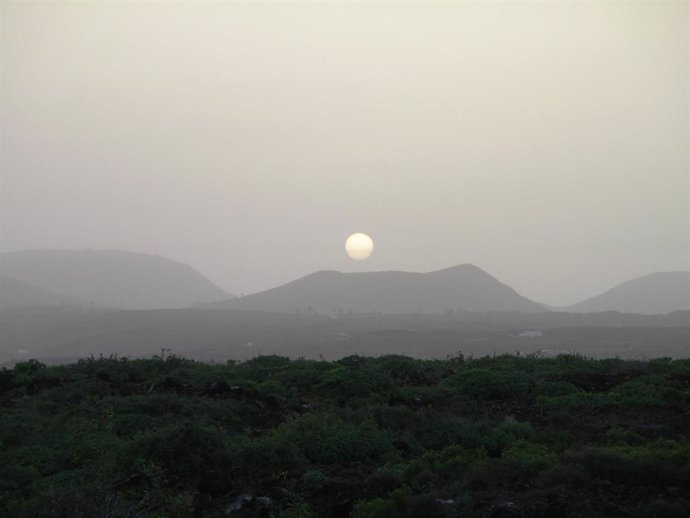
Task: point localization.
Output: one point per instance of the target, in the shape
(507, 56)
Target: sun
(359, 246)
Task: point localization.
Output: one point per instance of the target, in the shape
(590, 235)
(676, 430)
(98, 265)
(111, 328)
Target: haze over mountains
(657, 293)
(110, 278)
(459, 288)
(59, 304)
(126, 280)
(15, 293)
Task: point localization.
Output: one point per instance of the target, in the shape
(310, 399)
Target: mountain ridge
(654, 293)
(463, 287)
(112, 278)
(16, 294)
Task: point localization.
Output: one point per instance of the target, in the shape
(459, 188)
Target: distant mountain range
(110, 278)
(657, 293)
(127, 280)
(459, 288)
(14, 293)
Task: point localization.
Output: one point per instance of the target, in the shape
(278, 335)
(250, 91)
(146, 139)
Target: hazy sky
(546, 142)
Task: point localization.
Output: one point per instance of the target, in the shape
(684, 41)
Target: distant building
(530, 334)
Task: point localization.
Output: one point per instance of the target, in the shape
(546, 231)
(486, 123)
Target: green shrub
(503, 435)
(15, 477)
(489, 384)
(666, 509)
(400, 505)
(325, 440)
(571, 474)
(499, 473)
(182, 452)
(530, 454)
(555, 388)
(171, 439)
(628, 470)
(355, 386)
(377, 508)
(267, 455)
(578, 400)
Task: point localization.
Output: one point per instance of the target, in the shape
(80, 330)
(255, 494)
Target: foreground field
(392, 436)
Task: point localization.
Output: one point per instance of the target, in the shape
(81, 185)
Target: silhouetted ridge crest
(459, 288)
(656, 293)
(112, 277)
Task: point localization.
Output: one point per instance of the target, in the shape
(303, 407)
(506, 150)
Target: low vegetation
(386, 437)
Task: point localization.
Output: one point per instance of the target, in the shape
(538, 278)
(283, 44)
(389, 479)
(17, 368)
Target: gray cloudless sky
(545, 142)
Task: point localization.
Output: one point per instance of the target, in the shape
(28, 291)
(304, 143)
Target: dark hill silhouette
(657, 293)
(16, 294)
(459, 288)
(112, 278)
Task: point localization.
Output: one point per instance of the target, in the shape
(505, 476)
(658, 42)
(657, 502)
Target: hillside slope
(657, 293)
(112, 278)
(459, 288)
(17, 294)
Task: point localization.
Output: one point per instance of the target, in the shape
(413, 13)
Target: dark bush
(666, 509)
(488, 384)
(182, 452)
(390, 436)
